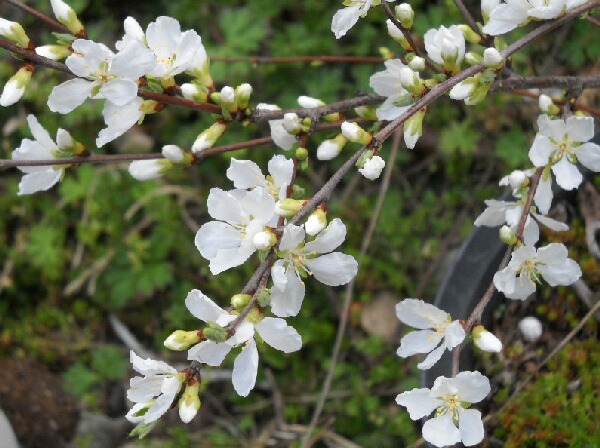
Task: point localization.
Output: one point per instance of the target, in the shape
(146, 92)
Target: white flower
(308, 102)
(153, 393)
(492, 57)
(101, 73)
(133, 32)
(486, 8)
(436, 331)
(519, 182)
(506, 17)
(373, 168)
(546, 9)
(297, 260)
(499, 212)
(67, 16)
(41, 178)
(446, 46)
(246, 175)
(119, 119)
(486, 340)
(228, 241)
(453, 422)
(527, 264)
(281, 137)
(274, 331)
(175, 50)
(417, 63)
(563, 144)
(346, 18)
(531, 328)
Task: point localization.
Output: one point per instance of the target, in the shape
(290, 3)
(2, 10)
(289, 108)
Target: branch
(467, 15)
(288, 59)
(546, 82)
(43, 17)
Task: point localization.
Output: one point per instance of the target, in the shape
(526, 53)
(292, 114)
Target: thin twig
(467, 15)
(349, 291)
(43, 17)
(288, 59)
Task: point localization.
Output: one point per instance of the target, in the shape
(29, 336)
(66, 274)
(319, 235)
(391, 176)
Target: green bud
(404, 100)
(508, 236)
(255, 316)
(214, 332)
(264, 298)
(366, 112)
(181, 340)
(189, 403)
(405, 15)
(386, 53)
(289, 207)
(470, 35)
(14, 32)
(240, 300)
(301, 153)
(242, 95)
(473, 58)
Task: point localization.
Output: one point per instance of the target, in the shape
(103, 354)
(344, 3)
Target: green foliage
(510, 148)
(561, 408)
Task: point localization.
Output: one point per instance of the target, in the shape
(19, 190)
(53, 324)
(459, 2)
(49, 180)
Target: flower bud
(316, 222)
(16, 85)
(470, 35)
(214, 332)
(308, 102)
(485, 340)
(264, 298)
(181, 340)
(208, 138)
(394, 32)
(355, 133)
(473, 58)
(372, 168)
(301, 154)
(417, 64)
(411, 81)
(227, 98)
(66, 15)
(547, 105)
(405, 14)
(193, 91)
(531, 328)
(328, 149)
(492, 58)
(242, 95)
(14, 31)
(240, 300)
(413, 129)
(149, 169)
(264, 240)
(292, 123)
(189, 403)
(255, 316)
(149, 107)
(366, 112)
(517, 179)
(173, 153)
(288, 207)
(54, 52)
(508, 236)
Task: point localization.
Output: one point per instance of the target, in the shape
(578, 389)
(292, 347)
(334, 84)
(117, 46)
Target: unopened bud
(242, 95)
(316, 222)
(372, 168)
(16, 85)
(411, 81)
(240, 300)
(194, 91)
(14, 32)
(485, 340)
(264, 298)
(473, 58)
(547, 106)
(208, 138)
(394, 32)
(149, 169)
(366, 112)
(173, 153)
(355, 133)
(417, 64)
(308, 102)
(405, 14)
(66, 15)
(264, 240)
(470, 35)
(492, 58)
(531, 328)
(181, 340)
(301, 154)
(214, 332)
(292, 123)
(54, 52)
(189, 403)
(328, 149)
(508, 236)
(289, 207)
(517, 179)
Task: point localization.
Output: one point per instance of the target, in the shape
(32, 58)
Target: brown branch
(289, 59)
(546, 82)
(408, 36)
(593, 20)
(43, 17)
(582, 107)
(32, 56)
(467, 15)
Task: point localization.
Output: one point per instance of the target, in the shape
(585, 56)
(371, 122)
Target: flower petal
(245, 174)
(441, 431)
(470, 426)
(418, 314)
(567, 175)
(328, 239)
(589, 156)
(420, 341)
(245, 368)
(209, 352)
(279, 335)
(418, 403)
(203, 308)
(471, 387)
(333, 269)
(69, 95)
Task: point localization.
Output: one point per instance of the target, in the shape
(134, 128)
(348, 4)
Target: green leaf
(79, 380)
(109, 362)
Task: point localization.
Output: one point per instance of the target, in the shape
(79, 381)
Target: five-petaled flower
(436, 331)
(449, 397)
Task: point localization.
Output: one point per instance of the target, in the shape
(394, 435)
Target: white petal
(243, 333)
(230, 258)
(418, 403)
(419, 314)
(202, 307)
(333, 269)
(470, 426)
(344, 19)
(245, 368)
(133, 61)
(543, 195)
(209, 352)
(389, 111)
(471, 387)
(69, 95)
(292, 236)
(567, 175)
(215, 236)
(281, 169)
(281, 137)
(461, 91)
(328, 239)
(224, 207)
(119, 91)
(589, 156)
(432, 358)
(495, 213)
(504, 18)
(564, 273)
(580, 129)
(454, 334)
(554, 129)
(259, 204)
(504, 280)
(524, 287)
(39, 181)
(287, 301)
(279, 335)
(540, 150)
(245, 174)
(420, 341)
(149, 366)
(552, 224)
(441, 431)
